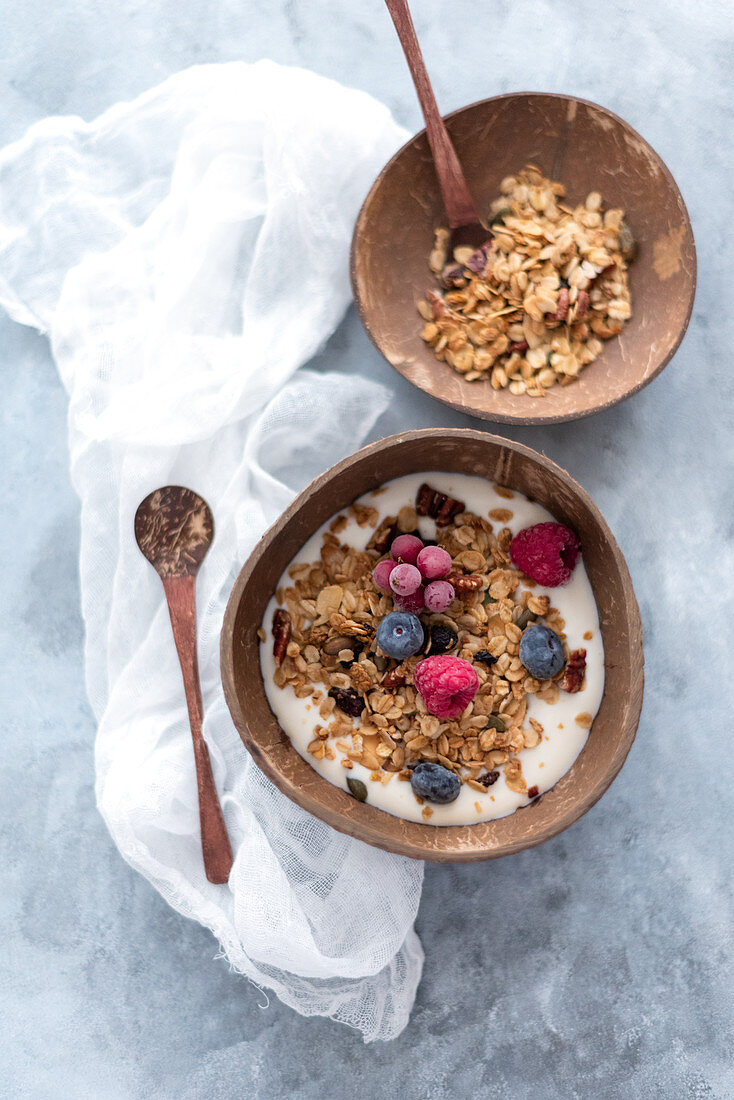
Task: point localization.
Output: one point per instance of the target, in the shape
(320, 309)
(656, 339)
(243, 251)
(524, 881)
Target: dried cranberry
(348, 700)
(443, 640)
(485, 657)
(477, 262)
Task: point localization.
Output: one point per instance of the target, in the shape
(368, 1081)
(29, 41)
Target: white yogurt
(562, 739)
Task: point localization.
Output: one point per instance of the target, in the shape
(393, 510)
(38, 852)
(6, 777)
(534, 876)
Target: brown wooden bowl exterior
(614, 729)
(585, 147)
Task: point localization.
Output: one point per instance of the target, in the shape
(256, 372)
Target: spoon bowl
(585, 147)
(174, 529)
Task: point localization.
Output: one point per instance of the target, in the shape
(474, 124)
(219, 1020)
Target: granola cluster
(531, 307)
(324, 645)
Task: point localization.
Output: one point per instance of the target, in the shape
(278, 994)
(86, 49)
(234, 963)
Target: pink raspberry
(438, 596)
(447, 685)
(412, 603)
(434, 562)
(381, 574)
(406, 548)
(547, 552)
(405, 579)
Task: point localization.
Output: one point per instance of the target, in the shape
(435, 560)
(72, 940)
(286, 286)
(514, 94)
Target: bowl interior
(585, 147)
(613, 731)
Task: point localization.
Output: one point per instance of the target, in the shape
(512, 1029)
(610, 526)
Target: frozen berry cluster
(414, 576)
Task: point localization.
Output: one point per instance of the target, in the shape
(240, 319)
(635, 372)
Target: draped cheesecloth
(187, 253)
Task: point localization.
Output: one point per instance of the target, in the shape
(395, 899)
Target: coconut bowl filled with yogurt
(437, 648)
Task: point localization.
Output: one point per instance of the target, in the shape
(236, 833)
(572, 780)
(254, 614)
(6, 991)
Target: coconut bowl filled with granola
(584, 287)
(437, 648)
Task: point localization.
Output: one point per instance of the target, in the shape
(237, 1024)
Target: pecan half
(582, 306)
(561, 307)
(575, 669)
(383, 537)
(465, 582)
(393, 679)
(429, 502)
(282, 628)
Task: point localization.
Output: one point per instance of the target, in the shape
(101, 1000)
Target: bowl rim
(513, 418)
(348, 821)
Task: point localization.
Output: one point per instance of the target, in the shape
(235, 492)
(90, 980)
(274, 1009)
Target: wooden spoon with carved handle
(174, 529)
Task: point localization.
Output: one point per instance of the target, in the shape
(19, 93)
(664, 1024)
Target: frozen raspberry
(438, 596)
(406, 548)
(381, 574)
(447, 685)
(547, 552)
(405, 579)
(434, 562)
(412, 603)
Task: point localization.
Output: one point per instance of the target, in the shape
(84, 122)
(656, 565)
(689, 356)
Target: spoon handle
(215, 845)
(459, 204)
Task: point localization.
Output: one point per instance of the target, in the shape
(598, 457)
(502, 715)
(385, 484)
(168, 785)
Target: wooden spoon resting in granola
(174, 529)
(466, 228)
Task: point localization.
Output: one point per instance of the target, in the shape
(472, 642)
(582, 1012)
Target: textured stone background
(595, 966)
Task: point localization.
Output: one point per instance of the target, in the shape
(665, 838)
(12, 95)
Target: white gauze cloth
(187, 253)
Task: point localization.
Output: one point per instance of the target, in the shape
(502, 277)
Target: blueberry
(434, 783)
(541, 651)
(400, 635)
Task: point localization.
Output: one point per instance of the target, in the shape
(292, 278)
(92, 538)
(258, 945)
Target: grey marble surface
(596, 966)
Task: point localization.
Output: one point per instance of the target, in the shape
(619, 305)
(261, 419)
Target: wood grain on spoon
(461, 210)
(174, 529)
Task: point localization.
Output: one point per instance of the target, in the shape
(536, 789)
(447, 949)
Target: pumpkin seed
(499, 217)
(494, 722)
(357, 789)
(526, 616)
(627, 243)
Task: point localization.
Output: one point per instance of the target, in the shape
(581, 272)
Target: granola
(531, 308)
(367, 710)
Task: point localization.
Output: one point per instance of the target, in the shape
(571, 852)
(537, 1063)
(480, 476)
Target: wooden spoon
(174, 530)
(467, 229)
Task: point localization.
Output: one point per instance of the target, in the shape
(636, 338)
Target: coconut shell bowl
(508, 464)
(584, 147)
